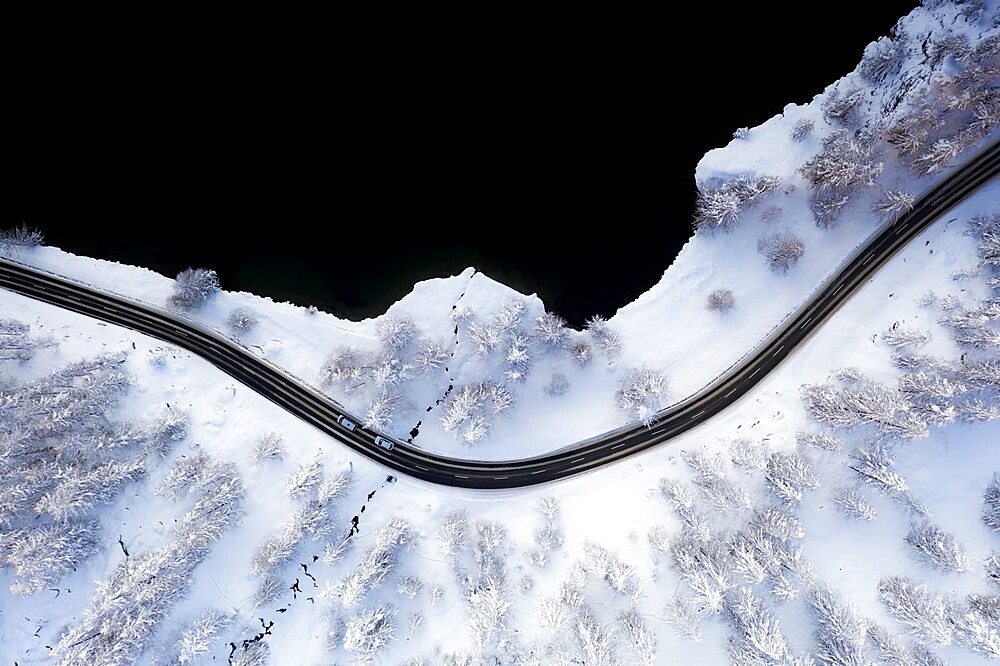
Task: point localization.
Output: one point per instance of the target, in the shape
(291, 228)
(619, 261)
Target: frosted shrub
(193, 287)
(19, 237)
(782, 250)
(242, 320)
(721, 300)
(557, 385)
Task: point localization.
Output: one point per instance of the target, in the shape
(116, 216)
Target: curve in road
(317, 409)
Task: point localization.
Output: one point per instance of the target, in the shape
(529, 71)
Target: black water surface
(555, 154)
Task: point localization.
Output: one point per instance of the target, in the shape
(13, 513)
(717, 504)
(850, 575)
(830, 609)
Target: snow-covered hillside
(154, 511)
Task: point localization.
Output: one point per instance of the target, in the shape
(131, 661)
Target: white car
(384, 443)
(347, 423)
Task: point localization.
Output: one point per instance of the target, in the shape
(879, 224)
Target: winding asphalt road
(312, 406)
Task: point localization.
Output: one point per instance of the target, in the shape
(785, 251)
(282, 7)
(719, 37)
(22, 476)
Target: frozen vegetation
(847, 511)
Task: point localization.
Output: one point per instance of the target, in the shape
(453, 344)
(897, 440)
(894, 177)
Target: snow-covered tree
(485, 339)
(818, 440)
(789, 475)
(78, 490)
(193, 286)
(605, 338)
(639, 638)
(369, 631)
(597, 642)
(850, 502)
(867, 402)
(991, 499)
(199, 633)
(251, 653)
(382, 409)
(894, 203)
(683, 618)
(431, 355)
(268, 447)
(117, 625)
(334, 488)
(453, 535)
(924, 613)
(840, 630)
(759, 633)
(905, 336)
(874, 465)
(748, 454)
(712, 480)
(782, 250)
(581, 352)
(517, 359)
(641, 393)
(304, 478)
(274, 552)
(188, 473)
(777, 523)
(409, 586)
(936, 548)
(977, 625)
(705, 567)
(396, 333)
(847, 161)
(345, 368)
(489, 617)
(992, 568)
(893, 651)
(549, 506)
(41, 555)
(470, 411)
(551, 332)
(15, 342)
(377, 562)
(620, 576)
(719, 206)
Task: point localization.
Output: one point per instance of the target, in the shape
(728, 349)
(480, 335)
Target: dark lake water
(560, 162)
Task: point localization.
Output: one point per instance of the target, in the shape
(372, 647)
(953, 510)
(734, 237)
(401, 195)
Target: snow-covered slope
(200, 523)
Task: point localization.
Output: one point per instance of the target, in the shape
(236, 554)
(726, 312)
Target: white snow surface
(668, 329)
